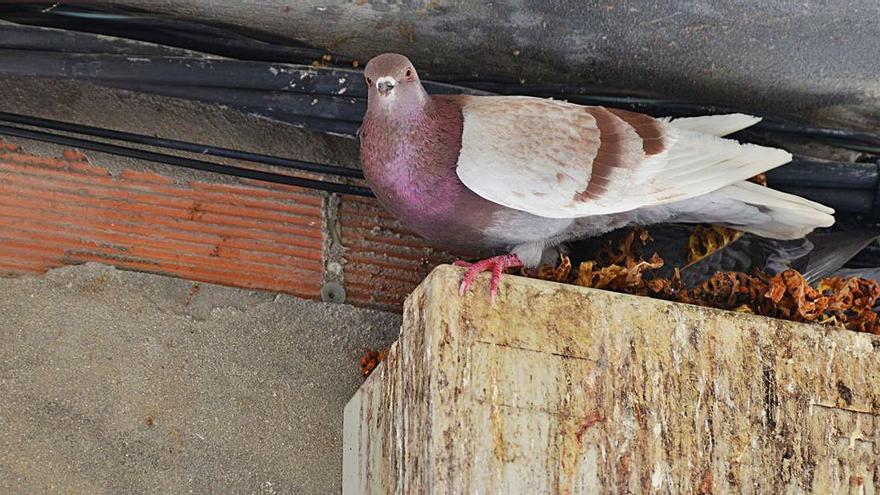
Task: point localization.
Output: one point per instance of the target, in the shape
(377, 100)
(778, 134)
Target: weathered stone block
(562, 389)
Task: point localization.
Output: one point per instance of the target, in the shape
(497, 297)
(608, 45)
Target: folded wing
(560, 160)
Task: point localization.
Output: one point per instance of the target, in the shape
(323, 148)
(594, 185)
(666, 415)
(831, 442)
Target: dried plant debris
(622, 278)
(706, 240)
(759, 179)
(370, 359)
(619, 266)
(629, 247)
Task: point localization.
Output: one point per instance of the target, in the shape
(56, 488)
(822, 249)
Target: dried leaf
(787, 295)
(705, 240)
(370, 359)
(759, 179)
(628, 247)
(558, 273)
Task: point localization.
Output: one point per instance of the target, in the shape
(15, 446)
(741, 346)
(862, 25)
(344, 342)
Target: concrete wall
(565, 390)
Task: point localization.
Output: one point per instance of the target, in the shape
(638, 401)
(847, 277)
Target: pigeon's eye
(369, 82)
(409, 74)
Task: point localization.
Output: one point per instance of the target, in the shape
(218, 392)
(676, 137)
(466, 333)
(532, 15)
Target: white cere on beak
(385, 85)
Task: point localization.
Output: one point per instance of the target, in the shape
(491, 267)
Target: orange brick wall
(58, 211)
(383, 260)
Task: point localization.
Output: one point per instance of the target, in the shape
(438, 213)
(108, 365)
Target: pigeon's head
(392, 80)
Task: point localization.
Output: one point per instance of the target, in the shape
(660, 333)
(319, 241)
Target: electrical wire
(253, 46)
(185, 162)
(323, 99)
(847, 187)
(202, 149)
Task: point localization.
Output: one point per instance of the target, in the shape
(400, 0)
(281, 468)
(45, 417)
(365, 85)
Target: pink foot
(496, 263)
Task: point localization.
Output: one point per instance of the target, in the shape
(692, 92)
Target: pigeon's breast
(411, 168)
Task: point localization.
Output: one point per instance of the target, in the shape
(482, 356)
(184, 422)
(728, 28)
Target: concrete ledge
(562, 389)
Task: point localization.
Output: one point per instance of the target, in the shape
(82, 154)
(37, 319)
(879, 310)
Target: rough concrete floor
(121, 382)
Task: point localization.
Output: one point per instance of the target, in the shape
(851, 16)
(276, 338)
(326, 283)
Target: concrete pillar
(562, 389)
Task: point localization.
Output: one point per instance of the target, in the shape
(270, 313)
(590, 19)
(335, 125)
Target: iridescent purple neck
(409, 158)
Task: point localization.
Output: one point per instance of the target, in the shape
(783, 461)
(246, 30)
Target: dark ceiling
(807, 59)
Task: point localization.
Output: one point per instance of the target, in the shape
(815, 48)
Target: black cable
(180, 145)
(840, 176)
(184, 162)
(832, 135)
(820, 181)
(232, 42)
(243, 46)
(330, 100)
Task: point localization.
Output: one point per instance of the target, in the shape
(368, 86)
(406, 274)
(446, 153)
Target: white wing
(560, 160)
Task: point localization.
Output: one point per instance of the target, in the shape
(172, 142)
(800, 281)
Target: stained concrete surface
(570, 390)
(122, 382)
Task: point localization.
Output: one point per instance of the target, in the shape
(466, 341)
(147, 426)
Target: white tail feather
(716, 125)
(790, 216)
(700, 163)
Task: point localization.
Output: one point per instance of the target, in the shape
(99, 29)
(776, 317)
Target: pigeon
(524, 175)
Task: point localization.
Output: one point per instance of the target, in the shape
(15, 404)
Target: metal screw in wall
(332, 292)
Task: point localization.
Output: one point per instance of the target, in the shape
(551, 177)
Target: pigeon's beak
(384, 85)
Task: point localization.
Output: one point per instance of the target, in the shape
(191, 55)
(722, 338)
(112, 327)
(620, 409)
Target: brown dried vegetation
(370, 359)
(620, 267)
(759, 179)
(707, 239)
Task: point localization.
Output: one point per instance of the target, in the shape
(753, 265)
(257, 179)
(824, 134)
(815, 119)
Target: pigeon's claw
(497, 264)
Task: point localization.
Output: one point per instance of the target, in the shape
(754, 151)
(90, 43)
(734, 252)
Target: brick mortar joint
(332, 247)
